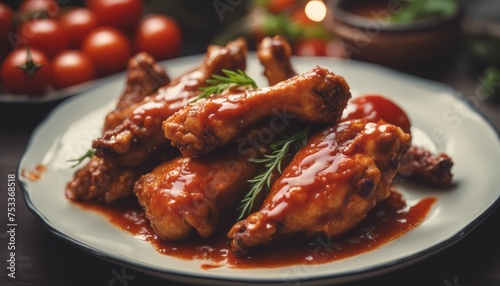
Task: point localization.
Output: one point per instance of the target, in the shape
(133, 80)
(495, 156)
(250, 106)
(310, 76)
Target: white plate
(52, 94)
(441, 121)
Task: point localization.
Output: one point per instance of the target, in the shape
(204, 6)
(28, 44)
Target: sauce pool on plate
(388, 221)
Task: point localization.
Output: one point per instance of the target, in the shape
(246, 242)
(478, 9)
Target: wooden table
(43, 259)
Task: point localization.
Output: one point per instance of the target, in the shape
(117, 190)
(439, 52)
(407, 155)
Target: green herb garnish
(280, 149)
(218, 83)
(78, 161)
(418, 9)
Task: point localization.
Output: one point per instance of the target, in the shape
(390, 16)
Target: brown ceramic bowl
(366, 36)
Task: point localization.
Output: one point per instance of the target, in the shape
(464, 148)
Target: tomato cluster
(44, 45)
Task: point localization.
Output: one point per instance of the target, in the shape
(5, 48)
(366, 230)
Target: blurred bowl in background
(366, 34)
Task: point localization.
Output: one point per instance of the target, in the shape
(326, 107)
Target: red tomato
(310, 47)
(50, 6)
(158, 35)
(26, 71)
(278, 6)
(47, 35)
(5, 28)
(71, 67)
(375, 108)
(121, 14)
(109, 50)
(79, 22)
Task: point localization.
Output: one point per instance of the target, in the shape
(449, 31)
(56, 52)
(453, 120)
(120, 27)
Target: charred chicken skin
(104, 180)
(139, 136)
(420, 164)
(316, 96)
(330, 185)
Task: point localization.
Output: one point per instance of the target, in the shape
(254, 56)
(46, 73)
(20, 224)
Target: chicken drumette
(105, 180)
(316, 96)
(330, 185)
(186, 193)
(139, 137)
(274, 54)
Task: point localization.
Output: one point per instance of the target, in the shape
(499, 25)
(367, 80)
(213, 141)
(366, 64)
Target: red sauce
(374, 108)
(389, 220)
(36, 174)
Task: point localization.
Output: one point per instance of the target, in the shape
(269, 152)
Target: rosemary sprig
(78, 161)
(218, 83)
(280, 149)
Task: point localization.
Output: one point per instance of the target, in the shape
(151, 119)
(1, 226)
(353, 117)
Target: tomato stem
(29, 66)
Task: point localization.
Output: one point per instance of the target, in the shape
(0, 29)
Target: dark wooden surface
(43, 259)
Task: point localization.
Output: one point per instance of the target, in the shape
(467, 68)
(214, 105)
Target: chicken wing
(316, 96)
(104, 180)
(274, 54)
(420, 164)
(140, 135)
(330, 185)
(192, 193)
(144, 77)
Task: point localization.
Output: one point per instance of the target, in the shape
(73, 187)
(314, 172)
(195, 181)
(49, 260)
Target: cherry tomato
(5, 28)
(49, 6)
(310, 47)
(158, 35)
(109, 50)
(278, 6)
(121, 14)
(375, 108)
(47, 35)
(71, 67)
(26, 71)
(79, 22)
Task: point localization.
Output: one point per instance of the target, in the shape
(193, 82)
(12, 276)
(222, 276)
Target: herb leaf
(418, 9)
(280, 149)
(78, 161)
(218, 83)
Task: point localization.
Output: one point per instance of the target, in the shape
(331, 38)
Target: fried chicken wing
(140, 135)
(417, 163)
(104, 180)
(192, 193)
(330, 185)
(316, 96)
(274, 54)
(144, 77)
(421, 164)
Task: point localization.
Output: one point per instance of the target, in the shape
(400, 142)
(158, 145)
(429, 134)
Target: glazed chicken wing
(316, 96)
(274, 54)
(140, 136)
(104, 180)
(330, 185)
(192, 193)
(144, 76)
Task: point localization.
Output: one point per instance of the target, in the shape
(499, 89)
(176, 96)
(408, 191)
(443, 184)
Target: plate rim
(152, 270)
